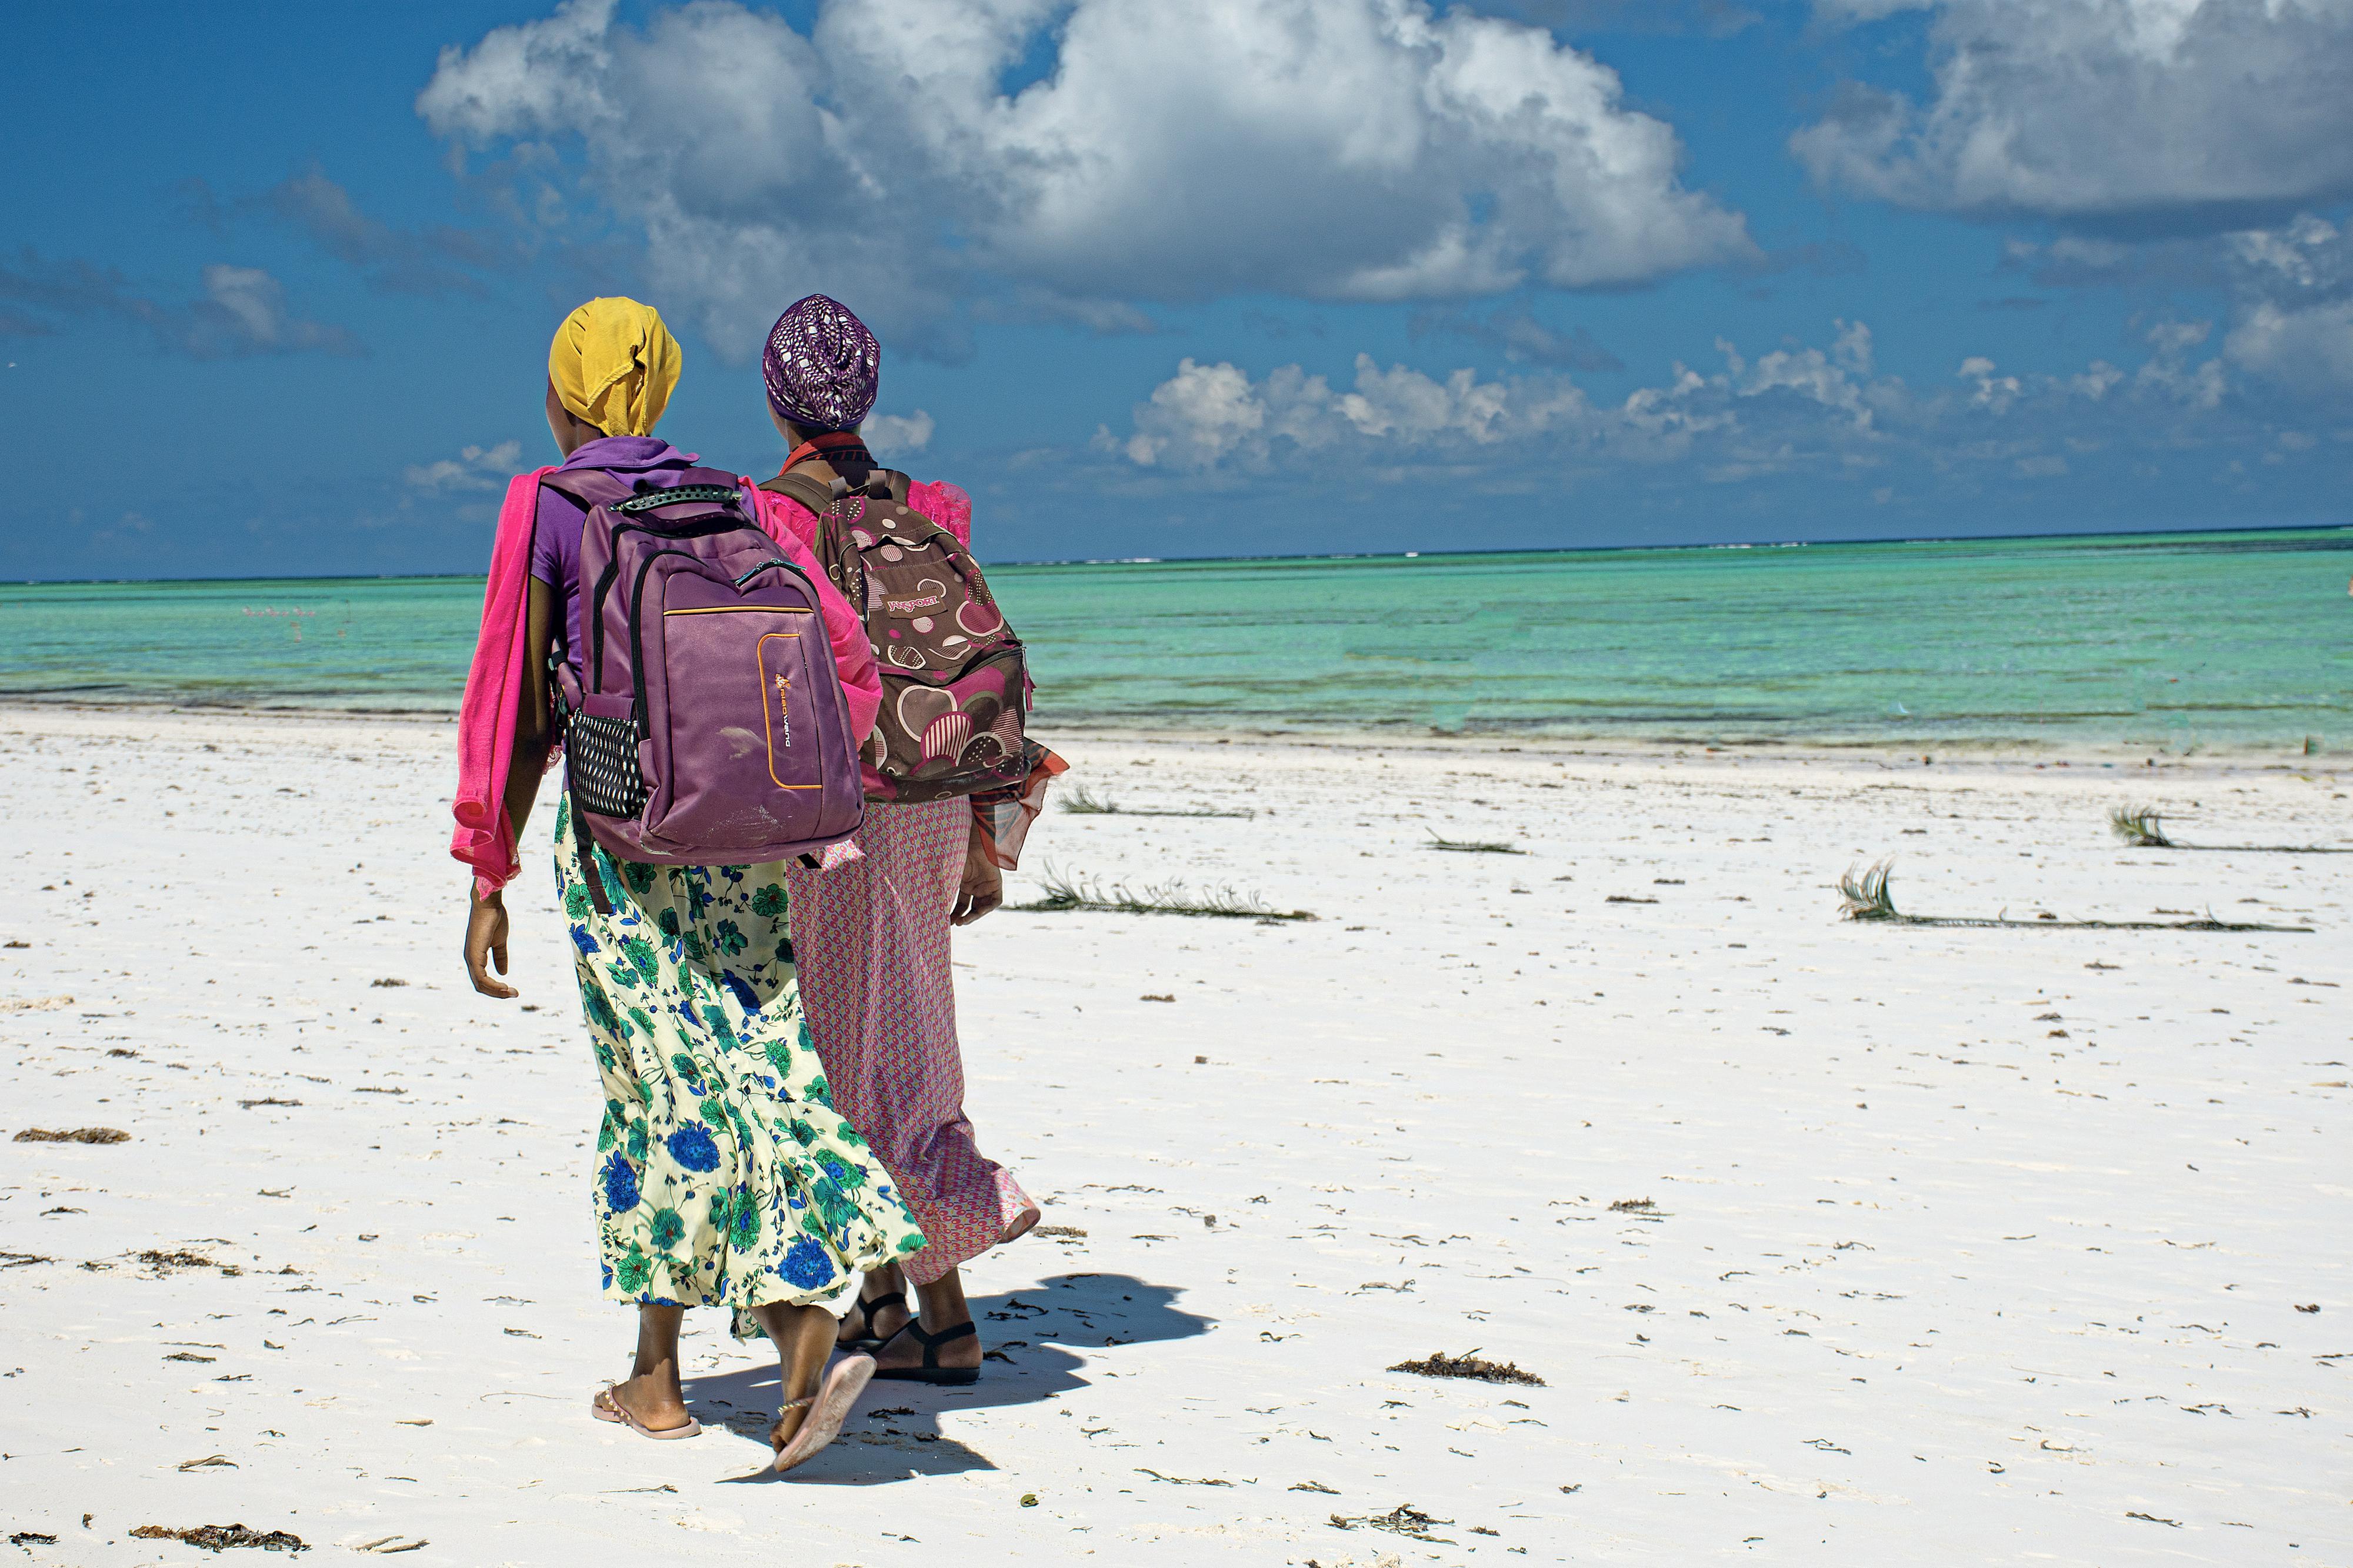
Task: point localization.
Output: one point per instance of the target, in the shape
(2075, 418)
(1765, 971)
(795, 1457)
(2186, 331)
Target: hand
(983, 889)
(486, 943)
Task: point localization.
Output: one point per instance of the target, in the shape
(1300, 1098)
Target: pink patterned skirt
(871, 939)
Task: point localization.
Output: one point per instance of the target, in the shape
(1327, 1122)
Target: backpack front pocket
(746, 744)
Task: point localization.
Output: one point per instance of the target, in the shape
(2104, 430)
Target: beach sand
(1831, 1243)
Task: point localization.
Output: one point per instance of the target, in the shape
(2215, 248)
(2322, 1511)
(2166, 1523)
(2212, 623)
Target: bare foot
(804, 1339)
(787, 1425)
(652, 1400)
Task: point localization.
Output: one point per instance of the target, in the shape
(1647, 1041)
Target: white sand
(1932, 1277)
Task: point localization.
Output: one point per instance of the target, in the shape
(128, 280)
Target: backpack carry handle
(881, 484)
(676, 496)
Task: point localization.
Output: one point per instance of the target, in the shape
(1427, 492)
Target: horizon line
(1349, 555)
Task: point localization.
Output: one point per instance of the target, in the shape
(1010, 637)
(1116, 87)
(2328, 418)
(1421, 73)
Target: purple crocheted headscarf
(823, 367)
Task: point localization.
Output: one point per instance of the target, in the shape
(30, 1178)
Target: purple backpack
(708, 725)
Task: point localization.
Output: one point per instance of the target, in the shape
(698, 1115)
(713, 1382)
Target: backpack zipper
(637, 598)
(593, 613)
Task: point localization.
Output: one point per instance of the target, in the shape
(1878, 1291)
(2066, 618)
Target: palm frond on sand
(2142, 827)
(1080, 801)
(1475, 846)
(1059, 893)
(1865, 896)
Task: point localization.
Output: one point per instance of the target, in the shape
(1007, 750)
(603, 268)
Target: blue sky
(1236, 276)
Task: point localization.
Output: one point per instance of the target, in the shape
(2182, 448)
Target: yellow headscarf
(614, 364)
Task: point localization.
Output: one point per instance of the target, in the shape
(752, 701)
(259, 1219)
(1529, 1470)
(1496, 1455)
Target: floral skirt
(724, 1176)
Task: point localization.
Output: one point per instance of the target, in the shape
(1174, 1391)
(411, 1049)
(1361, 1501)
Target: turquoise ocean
(2231, 642)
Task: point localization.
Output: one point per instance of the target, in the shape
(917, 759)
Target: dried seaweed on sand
(1403, 1519)
(217, 1537)
(1060, 893)
(2142, 828)
(1080, 801)
(1475, 846)
(1468, 1365)
(1864, 897)
(74, 1135)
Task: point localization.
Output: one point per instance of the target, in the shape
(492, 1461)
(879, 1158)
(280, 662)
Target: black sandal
(932, 1370)
(865, 1307)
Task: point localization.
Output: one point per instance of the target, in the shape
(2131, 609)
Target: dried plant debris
(1634, 1205)
(74, 1135)
(1403, 1519)
(220, 1537)
(1184, 1481)
(164, 1262)
(19, 1260)
(30, 1537)
(1060, 894)
(1475, 846)
(1865, 896)
(1468, 1365)
(2142, 828)
(1080, 801)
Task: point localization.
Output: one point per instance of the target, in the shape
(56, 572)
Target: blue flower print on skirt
(726, 1178)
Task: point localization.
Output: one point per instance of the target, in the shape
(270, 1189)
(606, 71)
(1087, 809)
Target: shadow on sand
(895, 1433)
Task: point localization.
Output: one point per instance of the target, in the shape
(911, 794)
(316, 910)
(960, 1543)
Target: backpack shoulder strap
(806, 489)
(592, 488)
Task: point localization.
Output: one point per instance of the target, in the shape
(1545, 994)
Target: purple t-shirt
(556, 527)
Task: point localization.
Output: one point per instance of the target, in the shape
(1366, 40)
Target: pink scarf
(484, 839)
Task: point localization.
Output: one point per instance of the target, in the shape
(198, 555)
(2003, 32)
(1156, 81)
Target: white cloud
(2295, 324)
(2312, 346)
(2169, 370)
(1211, 416)
(474, 469)
(1794, 408)
(2174, 115)
(1326, 149)
(895, 433)
(243, 310)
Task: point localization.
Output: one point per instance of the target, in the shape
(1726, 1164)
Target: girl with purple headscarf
(872, 937)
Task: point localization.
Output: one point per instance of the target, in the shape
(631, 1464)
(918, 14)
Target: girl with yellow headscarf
(723, 1175)
(612, 367)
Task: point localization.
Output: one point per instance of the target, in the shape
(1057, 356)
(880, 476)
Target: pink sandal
(604, 1407)
(830, 1407)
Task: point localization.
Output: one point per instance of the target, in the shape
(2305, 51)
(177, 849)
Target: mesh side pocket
(603, 755)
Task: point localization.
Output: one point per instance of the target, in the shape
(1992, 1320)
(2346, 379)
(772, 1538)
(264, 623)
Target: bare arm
(486, 918)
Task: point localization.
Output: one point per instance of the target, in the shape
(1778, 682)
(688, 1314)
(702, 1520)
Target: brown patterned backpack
(956, 684)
